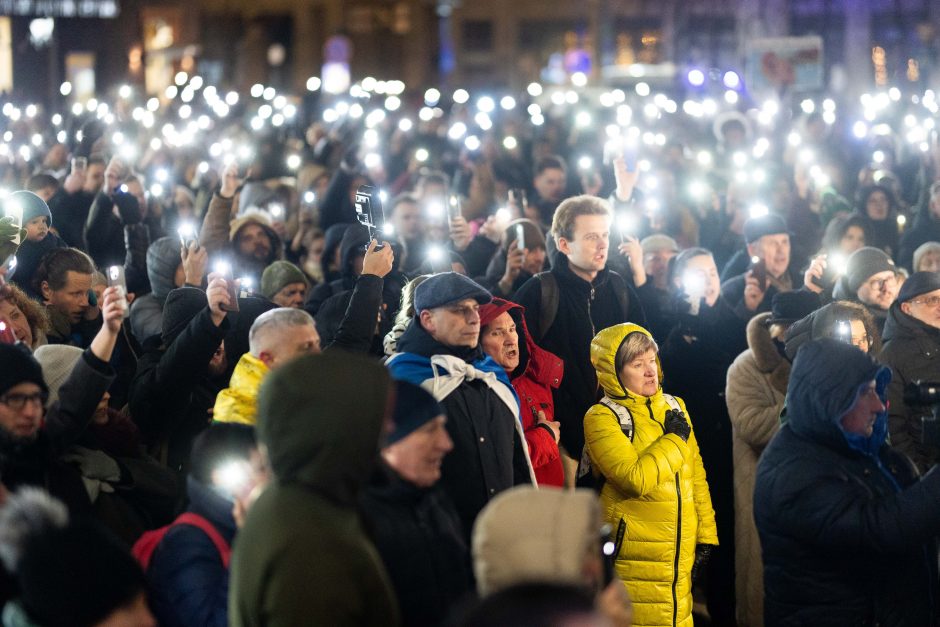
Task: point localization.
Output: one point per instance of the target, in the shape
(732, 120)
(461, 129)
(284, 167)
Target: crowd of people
(604, 358)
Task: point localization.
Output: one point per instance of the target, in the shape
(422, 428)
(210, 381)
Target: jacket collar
(572, 281)
(766, 355)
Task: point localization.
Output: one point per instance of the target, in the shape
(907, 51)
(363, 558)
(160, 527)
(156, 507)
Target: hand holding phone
(224, 269)
(759, 272)
(116, 279)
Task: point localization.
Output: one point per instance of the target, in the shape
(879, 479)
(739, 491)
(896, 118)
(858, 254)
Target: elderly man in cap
(870, 279)
(285, 285)
(768, 246)
(912, 346)
(440, 351)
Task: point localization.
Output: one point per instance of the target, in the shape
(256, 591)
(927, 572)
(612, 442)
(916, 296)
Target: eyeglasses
(931, 301)
(879, 284)
(861, 342)
(17, 402)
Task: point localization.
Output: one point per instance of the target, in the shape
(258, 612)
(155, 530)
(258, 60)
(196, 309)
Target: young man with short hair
(575, 299)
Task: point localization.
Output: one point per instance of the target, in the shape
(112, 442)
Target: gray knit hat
(163, 258)
(57, 361)
(865, 263)
(278, 275)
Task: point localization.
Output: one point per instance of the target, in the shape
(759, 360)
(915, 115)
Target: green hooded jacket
(302, 557)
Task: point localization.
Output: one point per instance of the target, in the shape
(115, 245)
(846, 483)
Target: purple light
(696, 78)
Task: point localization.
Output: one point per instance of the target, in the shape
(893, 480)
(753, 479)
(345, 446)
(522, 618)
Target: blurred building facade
(457, 42)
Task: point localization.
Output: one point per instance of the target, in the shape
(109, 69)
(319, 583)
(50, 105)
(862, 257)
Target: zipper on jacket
(590, 316)
(675, 565)
(675, 568)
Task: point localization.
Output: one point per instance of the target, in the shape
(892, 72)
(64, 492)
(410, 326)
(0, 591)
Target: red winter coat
(539, 372)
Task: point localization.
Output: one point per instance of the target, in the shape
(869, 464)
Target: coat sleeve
(358, 325)
(102, 226)
(902, 425)
(824, 511)
(615, 457)
(542, 446)
(78, 398)
(754, 412)
(336, 206)
(215, 224)
(707, 528)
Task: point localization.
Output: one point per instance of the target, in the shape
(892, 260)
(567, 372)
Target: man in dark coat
(588, 298)
(846, 528)
(912, 351)
(441, 352)
(302, 555)
(190, 361)
(414, 523)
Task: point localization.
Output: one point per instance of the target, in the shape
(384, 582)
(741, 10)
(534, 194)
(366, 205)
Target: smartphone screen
(225, 269)
(116, 279)
(520, 237)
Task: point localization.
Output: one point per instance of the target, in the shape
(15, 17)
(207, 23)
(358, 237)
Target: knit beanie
(32, 205)
(413, 409)
(863, 264)
(76, 576)
(182, 305)
(57, 362)
(278, 275)
(17, 366)
(163, 258)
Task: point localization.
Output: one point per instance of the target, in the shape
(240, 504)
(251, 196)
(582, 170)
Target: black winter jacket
(487, 457)
(418, 534)
(584, 309)
(172, 393)
(912, 351)
(845, 526)
(121, 241)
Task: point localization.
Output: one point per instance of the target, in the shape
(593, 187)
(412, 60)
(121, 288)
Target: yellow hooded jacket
(239, 402)
(655, 492)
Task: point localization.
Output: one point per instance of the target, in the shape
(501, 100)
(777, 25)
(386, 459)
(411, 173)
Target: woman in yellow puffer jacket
(654, 494)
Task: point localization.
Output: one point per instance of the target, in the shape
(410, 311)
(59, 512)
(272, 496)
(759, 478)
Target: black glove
(128, 207)
(676, 423)
(702, 553)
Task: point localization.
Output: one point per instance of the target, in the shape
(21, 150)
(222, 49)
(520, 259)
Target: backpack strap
(147, 544)
(585, 469)
(195, 520)
(672, 402)
(624, 417)
(548, 285)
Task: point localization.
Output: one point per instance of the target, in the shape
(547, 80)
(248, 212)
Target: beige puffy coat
(756, 388)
